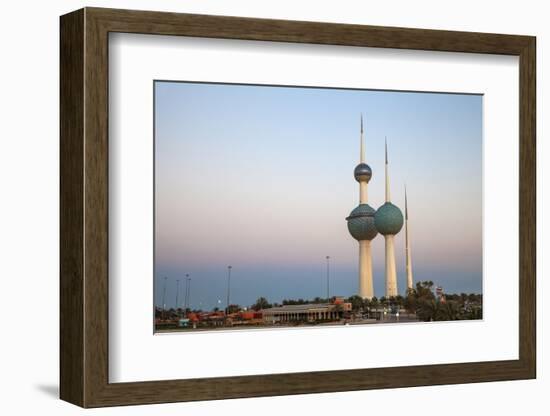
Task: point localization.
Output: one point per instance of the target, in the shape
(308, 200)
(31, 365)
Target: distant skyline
(261, 178)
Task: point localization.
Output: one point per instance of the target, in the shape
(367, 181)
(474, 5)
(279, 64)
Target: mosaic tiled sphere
(362, 172)
(388, 219)
(361, 223)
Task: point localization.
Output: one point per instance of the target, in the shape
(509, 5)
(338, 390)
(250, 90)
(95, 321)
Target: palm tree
(428, 310)
(449, 311)
(399, 300)
(374, 303)
(357, 302)
(432, 310)
(424, 289)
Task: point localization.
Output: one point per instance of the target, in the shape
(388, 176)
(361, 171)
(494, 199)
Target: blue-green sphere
(361, 223)
(388, 219)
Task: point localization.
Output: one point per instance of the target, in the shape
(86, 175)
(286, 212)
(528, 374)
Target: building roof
(309, 307)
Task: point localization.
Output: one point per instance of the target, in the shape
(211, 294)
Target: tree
(427, 310)
(424, 289)
(233, 309)
(374, 302)
(410, 291)
(261, 303)
(422, 301)
(472, 297)
(399, 300)
(357, 302)
(449, 311)
(410, 302)
(475, 312)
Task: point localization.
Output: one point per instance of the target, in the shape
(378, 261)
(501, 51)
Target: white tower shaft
(391, 274)
(363, 193)
(408, 264)
(366, 289)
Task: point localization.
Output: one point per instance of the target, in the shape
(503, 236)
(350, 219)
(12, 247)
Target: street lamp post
(328, 278)
(186, 299)
(177, 295)
(189, 292)
(164, 300)
(228, 286)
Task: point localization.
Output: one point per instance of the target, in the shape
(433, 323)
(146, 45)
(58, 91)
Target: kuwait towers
(364, 223)
(388, 221)
(361, 223)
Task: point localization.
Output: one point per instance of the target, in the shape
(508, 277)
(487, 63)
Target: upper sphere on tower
(362, 172)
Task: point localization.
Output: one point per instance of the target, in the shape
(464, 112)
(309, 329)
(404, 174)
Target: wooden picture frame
(84, 207)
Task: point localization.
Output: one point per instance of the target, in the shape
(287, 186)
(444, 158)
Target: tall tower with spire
(408, 262)
(388, 221)
(361, 223)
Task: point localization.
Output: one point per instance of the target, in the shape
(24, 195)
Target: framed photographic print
(255, 207)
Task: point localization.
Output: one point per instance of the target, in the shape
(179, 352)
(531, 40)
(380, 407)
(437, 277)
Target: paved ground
(386, 320)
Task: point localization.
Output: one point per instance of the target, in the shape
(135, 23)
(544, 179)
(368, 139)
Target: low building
(310, 312)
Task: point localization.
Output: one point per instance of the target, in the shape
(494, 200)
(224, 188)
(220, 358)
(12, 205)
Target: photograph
(246, 193)
(296, 206)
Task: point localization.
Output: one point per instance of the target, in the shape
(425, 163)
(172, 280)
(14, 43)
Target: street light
(177, 295)
(228, 286)
(189, 292)
(328, 279)
(164, 300)
(186, 299)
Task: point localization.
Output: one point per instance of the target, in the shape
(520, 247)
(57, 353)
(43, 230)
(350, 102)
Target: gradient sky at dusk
(261, 178)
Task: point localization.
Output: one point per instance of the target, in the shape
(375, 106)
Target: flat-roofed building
(309, 312)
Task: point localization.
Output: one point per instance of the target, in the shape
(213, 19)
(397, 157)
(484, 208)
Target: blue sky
(261, 177)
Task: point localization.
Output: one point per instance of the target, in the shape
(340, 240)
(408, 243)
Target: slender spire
(408, 262)
(362, 155)
(406, 207)
(387, 174)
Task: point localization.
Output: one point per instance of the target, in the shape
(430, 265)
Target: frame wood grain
(84, 207)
